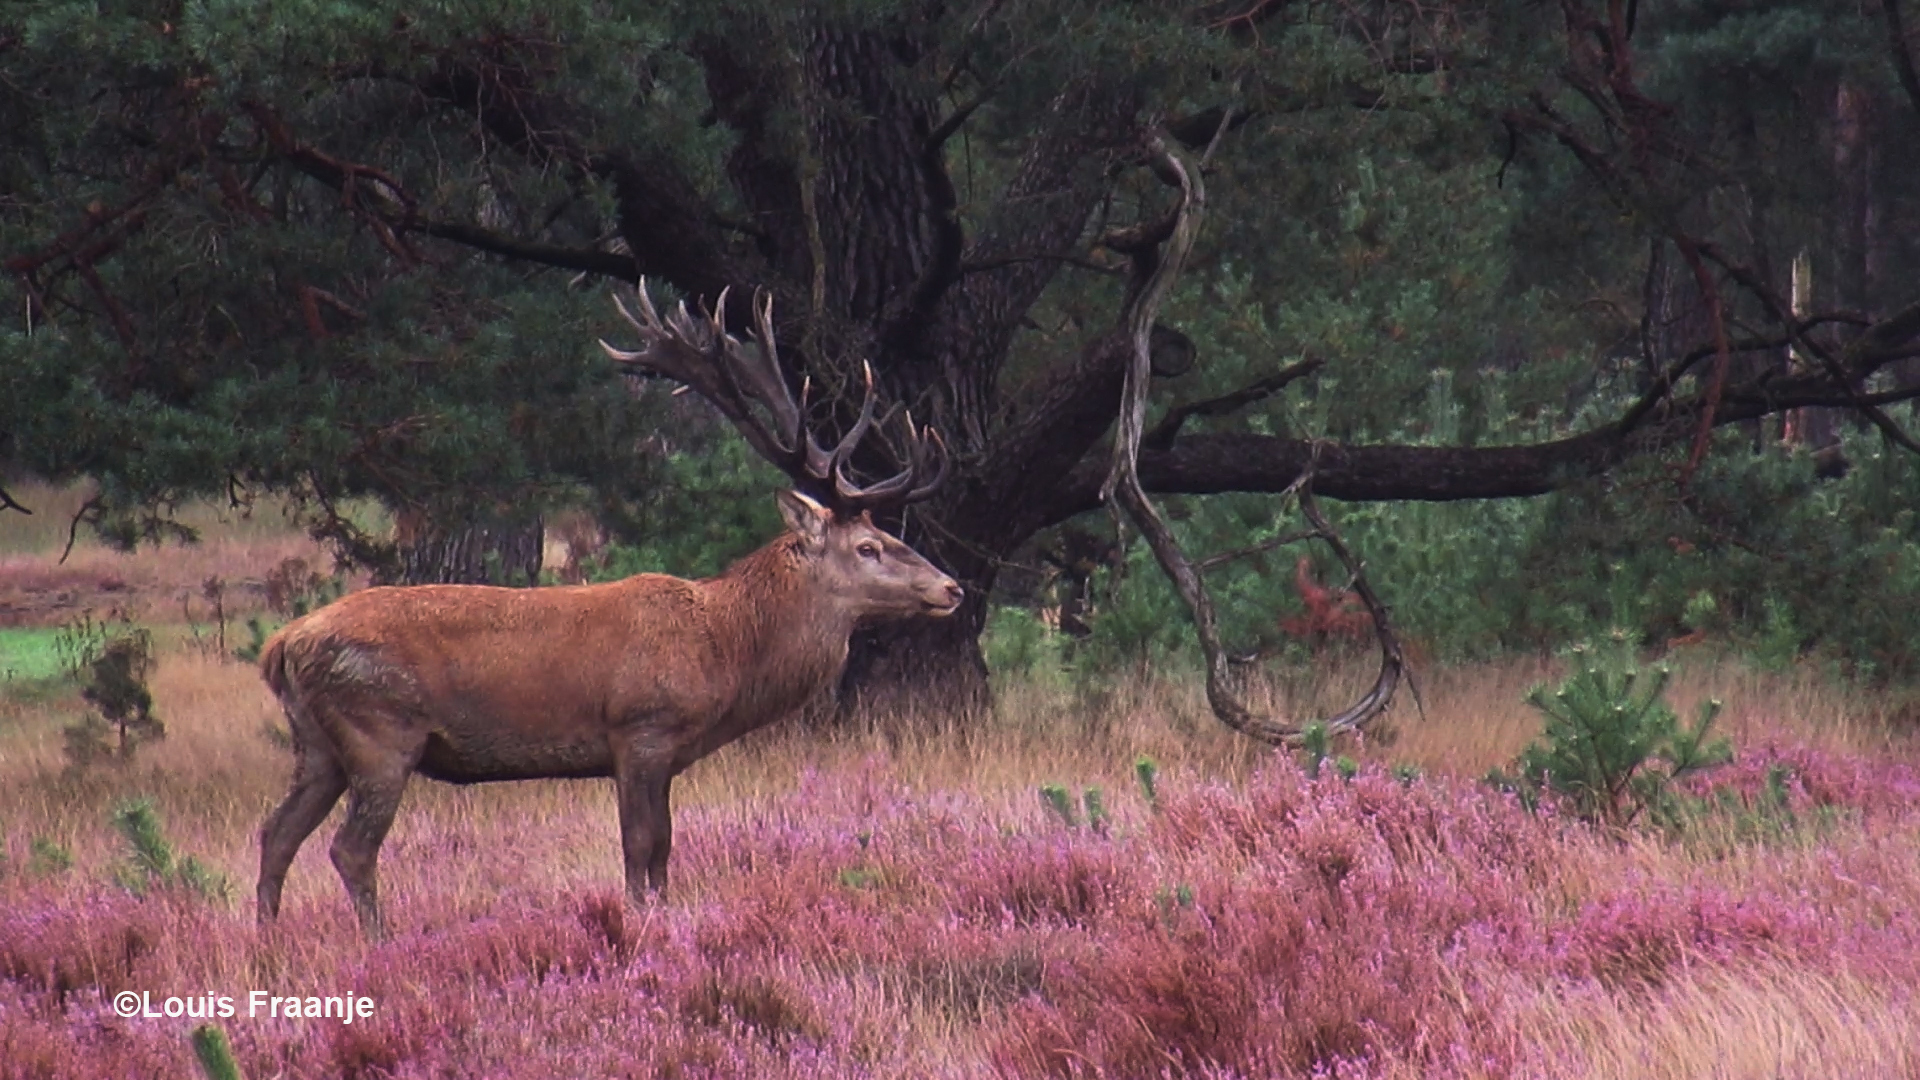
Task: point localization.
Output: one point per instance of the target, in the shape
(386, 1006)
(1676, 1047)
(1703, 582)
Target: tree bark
(493, 553)
(920, 670)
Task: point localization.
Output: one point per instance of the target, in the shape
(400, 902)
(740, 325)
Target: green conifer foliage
(1612, 746)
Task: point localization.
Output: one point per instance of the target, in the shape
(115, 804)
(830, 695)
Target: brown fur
(635, 679)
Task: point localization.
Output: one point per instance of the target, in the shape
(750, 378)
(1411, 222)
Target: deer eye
(868, 550)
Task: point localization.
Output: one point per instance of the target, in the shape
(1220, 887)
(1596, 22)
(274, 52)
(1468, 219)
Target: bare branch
(7, 502)
(1225, 557)
(122, 322)
(984, 265)
(938, 137)
(591, 260)
(1392, 661)
(1122, 490)
(1723, 351)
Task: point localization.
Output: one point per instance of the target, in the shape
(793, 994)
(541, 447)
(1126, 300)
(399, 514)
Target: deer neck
(793, 631)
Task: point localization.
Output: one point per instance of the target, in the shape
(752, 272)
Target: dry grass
(218, 773)
(1754, 1021)
(239, 547)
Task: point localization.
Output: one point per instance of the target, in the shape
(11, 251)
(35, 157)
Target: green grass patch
(27, 654)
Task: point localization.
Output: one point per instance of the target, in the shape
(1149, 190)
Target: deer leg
(371, 804)
(646, 828)
(317, 784)
(662, 811)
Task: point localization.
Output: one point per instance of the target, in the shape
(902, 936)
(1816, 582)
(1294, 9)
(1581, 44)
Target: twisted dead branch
(1156, 268)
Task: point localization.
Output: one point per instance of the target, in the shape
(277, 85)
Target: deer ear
(805, 516)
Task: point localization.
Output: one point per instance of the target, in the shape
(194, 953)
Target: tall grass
(889, 903)
(871, 905)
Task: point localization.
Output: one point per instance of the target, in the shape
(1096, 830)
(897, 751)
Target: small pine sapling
(48, 857)
(1313, 747)
(151, 861)
(1097, 817)
(215, 1054)
(293, 590)
(122, 720)
(1148, 773)
(1058, 799)
(1612, 747)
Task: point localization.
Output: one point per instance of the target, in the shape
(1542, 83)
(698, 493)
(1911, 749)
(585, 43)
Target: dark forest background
(1589, 315)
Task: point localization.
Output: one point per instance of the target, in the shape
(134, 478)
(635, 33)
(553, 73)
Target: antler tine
(652, 319)
(659, 352)
(899, 485)
(683, 326)
(698, 351)
(921, 492)
(818, 463)
(761, 378)
(899, 488)
(763, 328)
(844, 448)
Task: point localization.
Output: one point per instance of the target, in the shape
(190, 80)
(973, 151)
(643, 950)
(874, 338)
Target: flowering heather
(1281, 926)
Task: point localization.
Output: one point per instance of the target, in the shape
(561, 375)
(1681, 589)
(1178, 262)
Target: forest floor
(873, 903)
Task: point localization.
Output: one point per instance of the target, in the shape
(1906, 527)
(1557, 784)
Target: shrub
(1612, 747)
(116, 686)
(151, 861)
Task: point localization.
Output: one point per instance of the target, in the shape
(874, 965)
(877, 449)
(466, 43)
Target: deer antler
(735, 375)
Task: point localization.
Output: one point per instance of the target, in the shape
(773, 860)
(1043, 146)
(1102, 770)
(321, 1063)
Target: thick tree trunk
(919, 670)
(492, 553)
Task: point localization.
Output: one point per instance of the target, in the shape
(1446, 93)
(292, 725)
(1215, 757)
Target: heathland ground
(880, 903)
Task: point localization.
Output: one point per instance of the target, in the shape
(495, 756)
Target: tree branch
(590, 260)
(1163, 433)
(1225, 557)
(1121, 489)
(1236, 462)
(1080, 261)
(7, 502)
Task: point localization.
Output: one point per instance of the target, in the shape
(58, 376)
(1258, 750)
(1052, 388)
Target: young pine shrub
(293, 589)
(48, 857)
(1147, 772)
(150, 862)
(1613, 748)
(122, 719)
(215, 1054)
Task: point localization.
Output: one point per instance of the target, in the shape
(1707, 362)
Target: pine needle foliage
(116, 687)
(1613, 747)
(151, 862)
(215, 1053)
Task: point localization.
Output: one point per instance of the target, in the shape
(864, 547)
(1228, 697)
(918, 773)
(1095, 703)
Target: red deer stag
(634, 680)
